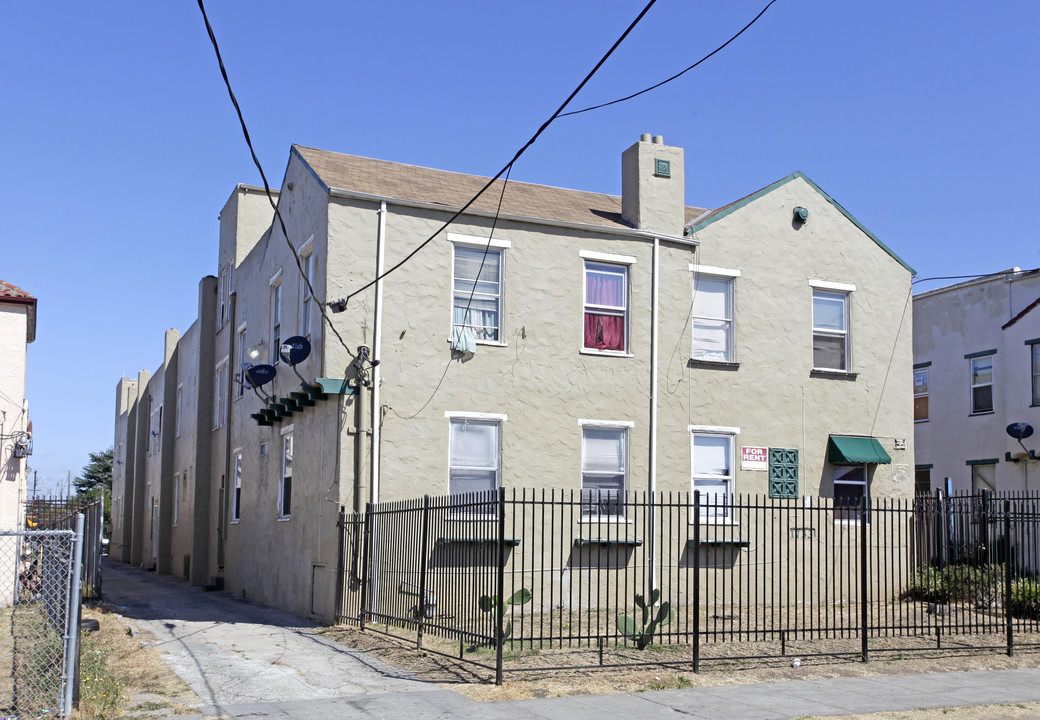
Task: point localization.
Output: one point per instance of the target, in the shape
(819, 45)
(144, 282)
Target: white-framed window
(850, 490)
(236, 498)
(263, 449)
(155, 430)
(712, 315)
(474, 452)
(306, 298)
(983, 477)
(605, 317)
(1034, 350)
(921, 394)
(830, 341)
(285, 483)
(711, 451)
(276, 318)
(981, 384)
(223, 305)
(179, 409)
(176, 498)
(220, 388)
(240, 355)
(477, 274)
(604, 469)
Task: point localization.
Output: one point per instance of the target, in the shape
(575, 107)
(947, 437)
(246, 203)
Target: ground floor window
(285, 486)
(850, 489)
(604, 455)
(236, 499)
(713, 473)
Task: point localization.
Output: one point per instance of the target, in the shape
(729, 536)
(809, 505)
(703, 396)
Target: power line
(267, 188)
(342, 303)
(673, 77)
(1009, 271)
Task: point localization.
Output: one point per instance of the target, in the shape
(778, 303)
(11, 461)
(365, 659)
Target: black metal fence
(693, 576)
(59, 513)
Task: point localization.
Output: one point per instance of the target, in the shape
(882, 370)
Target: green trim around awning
(847, 450)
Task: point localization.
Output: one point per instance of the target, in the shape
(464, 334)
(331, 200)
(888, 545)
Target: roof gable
(709, 218)
(16, 296)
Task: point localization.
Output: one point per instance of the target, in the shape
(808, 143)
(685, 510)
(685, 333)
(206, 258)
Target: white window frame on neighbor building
(220, 388)
(286, 476)
(236, 487)
(240, 355)
(155, 433)
(493, 291)
(977, 367)
(176, 497)
(707, 317)
(709, 481)
(224, 303)
(1034, 359)
(829, 293)
(851, 477)
(276, 318)
(489, 466)
(306, 283)
(610, 265)
(599, 474)
(921, 393)
(179, 409)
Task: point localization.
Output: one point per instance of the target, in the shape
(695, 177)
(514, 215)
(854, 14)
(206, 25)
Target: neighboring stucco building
(17, 330)
(976, 371)
(594, 343)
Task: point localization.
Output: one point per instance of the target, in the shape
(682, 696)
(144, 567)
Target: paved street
(245, 660)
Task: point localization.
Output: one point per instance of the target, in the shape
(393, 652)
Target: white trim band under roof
(717, 429)
(478, 241)
(607, 257)
(604, 229)
(607, 423)
(712, 270)
(454, 415)
(827, 285)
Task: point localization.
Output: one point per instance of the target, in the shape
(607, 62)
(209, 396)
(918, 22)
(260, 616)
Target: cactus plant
(642, 634)
(491, 605)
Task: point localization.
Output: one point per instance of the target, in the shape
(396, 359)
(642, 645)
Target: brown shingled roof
(453, 190)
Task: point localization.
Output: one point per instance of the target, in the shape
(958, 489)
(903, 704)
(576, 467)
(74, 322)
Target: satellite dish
(1020, 431)
(295, 350)
(260, 375)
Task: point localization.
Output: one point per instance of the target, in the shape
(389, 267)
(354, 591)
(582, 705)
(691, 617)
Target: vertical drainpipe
(377, 349)
(654, 292)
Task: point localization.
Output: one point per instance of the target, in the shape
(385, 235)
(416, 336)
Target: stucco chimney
(653, 186)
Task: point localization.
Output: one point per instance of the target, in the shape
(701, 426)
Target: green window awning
(846, 450)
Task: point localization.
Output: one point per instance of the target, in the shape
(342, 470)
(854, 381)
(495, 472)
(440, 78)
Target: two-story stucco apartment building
(548, 338)
(17, 330)
(977, 371)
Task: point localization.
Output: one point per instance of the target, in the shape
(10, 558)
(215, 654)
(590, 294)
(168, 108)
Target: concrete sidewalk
(764, 701)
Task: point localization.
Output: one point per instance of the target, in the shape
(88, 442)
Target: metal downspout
(655, 290)
(377, 349)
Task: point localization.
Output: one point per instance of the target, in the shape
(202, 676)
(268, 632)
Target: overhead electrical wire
(267, 187)
(673, 77)
(458, 213)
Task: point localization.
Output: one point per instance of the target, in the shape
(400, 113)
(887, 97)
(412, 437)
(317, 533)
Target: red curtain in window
(604, 332)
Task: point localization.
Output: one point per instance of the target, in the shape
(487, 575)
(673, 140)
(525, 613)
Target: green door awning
(846, 450)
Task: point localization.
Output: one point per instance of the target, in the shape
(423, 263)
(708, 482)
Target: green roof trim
(983, 461)
(334, 386)
(847, 450)
(780, 183)
(921, 366)
(1034, 341)
(929, 466)
(980, 353)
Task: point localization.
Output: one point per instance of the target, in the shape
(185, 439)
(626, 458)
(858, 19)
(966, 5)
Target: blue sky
(119, 145)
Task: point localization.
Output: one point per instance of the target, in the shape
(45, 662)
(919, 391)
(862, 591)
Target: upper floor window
(306, 297)
(220, 392)
(1034, 349)
(982, 384)
(830, 330)
(712, 316)
(606, 307)
(712, 459)
(920, 394)
(179, 409)
(285, 484)
(226, 288)
(276, 319)
(477, 292)
(240, 355)
(236, 499)
(604, 462)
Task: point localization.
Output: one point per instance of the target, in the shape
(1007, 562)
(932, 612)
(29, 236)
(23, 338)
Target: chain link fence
(38, 624)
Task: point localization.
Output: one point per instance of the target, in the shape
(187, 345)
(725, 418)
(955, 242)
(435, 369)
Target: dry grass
(122, 676)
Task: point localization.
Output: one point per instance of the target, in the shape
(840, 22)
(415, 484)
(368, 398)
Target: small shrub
(979, 584)
(1025, 599)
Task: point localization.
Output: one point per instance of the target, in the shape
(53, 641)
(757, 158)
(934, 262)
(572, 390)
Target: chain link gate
(39, 621)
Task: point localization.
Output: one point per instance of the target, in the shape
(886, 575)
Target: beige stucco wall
(14, 412)
(959, 320)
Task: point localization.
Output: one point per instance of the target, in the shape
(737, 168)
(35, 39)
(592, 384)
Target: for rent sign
(754, 458)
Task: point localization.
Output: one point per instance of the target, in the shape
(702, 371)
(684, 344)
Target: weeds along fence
(59, 513)
(689, 575)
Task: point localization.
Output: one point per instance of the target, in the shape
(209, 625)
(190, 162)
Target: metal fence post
(500, 584)
(366, 541)
(72, 625)
(421, 605)
(696, 581)
(1007, 580)
(864, 557)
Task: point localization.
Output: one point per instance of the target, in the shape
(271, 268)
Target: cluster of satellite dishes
(291, 351)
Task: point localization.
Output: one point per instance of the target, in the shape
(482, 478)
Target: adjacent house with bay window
(977, 371)
(553, 339)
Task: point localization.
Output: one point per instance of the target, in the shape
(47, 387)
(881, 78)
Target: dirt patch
(577, 672)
